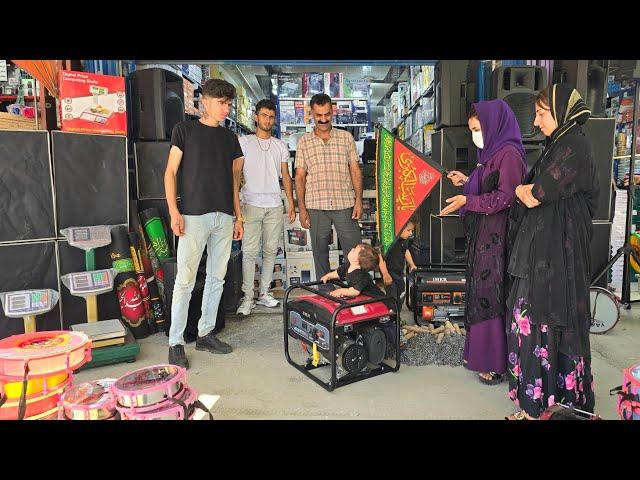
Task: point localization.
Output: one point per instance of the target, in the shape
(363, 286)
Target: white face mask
(477, 139)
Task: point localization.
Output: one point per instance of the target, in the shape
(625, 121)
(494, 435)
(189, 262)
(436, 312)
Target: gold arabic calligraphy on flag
(405, 199)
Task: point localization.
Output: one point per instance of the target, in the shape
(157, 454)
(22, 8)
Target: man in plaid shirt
(328, 184)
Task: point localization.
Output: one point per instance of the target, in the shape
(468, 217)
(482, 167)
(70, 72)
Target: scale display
(29, 302)
(89, 283)
(81, 236)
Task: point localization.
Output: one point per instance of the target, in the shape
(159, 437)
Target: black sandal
(495, 379)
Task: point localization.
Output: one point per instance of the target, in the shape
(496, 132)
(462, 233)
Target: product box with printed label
(298, 239)
(301, 268)
(92, 103)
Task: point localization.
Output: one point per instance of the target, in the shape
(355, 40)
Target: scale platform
(114, 354)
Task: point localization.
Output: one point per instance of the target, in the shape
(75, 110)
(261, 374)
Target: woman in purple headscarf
(487, 195)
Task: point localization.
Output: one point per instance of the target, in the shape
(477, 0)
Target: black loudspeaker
(590, 77)
(448, 241)
(91, 181)
(157, 99)
(27, 266)
(195, 304)
(601, 131)
(454, 149)
(518, 87)
(600, 251)
(163, 208)
(233, 283)
(151, 163)
(453, 92)
(26, 187)
(533, 152)
(74, 309)
(369, 151)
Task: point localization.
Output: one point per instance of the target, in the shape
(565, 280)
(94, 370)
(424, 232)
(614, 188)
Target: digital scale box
(93, 103)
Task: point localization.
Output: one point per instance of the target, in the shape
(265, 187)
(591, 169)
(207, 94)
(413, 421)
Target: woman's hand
(457, 178)
(523, 192)
(386, 278)
(454, 204)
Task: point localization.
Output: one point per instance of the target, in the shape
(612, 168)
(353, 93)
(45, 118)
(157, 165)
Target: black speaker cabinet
(74, 309)
(27, 266)
(448, 241)
(590, 78)
(600, 251)
(453, 92)
(454, 149)
(233, 283)
(157, 98)
(601, 131)
(91, 182)
(518, 87)
(151, 163)
(26, 187)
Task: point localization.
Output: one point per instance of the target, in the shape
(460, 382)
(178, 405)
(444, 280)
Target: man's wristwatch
(239, 219)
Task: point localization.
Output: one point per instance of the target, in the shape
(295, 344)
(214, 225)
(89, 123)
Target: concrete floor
(256, 382)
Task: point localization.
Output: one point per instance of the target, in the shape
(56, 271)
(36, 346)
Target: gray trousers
(348, 231)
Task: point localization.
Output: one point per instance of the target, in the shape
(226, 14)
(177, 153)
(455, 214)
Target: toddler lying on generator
(352, 330)
(361, 260)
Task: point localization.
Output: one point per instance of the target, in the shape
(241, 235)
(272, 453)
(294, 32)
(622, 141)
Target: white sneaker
(245, 307)
(267, 300)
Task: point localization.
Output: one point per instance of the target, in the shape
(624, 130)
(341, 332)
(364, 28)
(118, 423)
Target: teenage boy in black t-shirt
(362, 259)
(208, 155)
(393, 265)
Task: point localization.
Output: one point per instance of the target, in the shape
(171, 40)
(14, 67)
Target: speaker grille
(523, 106)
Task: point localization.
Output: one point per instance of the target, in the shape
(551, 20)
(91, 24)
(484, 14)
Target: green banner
(123, 265)
(385, 189)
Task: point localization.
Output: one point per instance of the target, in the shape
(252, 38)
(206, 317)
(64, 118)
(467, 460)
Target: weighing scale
(89, 285)
(26, 304)
(96, 112)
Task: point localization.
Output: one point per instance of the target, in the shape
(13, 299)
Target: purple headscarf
(499, 129)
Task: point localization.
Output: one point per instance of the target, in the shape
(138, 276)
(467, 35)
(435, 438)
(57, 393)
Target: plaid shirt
(329, 185)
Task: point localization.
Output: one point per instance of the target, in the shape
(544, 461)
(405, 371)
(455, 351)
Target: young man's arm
(356, 179)
(287, 183)
(171, 190)
(238, 227)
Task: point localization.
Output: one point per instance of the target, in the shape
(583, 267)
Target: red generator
(342, 341)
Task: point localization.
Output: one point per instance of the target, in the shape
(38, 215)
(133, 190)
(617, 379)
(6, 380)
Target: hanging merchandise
(142, 281)
(45, 71)
(126, 284)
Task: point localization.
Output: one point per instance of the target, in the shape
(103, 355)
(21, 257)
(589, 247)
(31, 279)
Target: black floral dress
(548, 311)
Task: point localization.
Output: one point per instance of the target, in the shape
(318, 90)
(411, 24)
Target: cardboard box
(92, 103)
(300, 268)
(298, 239)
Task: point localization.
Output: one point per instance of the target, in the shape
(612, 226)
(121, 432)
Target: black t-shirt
(360, 280)
(395, 258)
(206, 167)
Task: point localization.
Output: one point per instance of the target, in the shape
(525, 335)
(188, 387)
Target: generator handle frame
(334, 382)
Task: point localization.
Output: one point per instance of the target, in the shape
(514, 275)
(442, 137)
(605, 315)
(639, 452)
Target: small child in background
(362, 259)
(394, 263)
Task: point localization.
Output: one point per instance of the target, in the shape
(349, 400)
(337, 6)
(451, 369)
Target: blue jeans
(215, 231)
